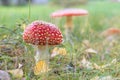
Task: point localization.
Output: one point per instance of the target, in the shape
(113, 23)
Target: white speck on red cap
(42, 33)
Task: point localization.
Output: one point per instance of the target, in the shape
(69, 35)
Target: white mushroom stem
(41, 53)
(69, 23)
(68, 27)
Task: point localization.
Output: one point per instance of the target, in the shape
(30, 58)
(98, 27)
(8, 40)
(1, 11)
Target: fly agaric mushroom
(42, 34)
(111, 32)
(68, 13)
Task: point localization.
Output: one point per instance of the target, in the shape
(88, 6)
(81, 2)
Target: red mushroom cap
(69, 12)
(111, 31)
(42, 33)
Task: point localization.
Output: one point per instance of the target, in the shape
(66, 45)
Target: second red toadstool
(68, 13)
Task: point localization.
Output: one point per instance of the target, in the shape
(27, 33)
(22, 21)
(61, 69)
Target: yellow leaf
(62, 51)
(40, 67)
(58, 51)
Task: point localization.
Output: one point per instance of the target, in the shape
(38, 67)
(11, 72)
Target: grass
(102, 15)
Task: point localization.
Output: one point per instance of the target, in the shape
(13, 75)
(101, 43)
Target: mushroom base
(68, 34)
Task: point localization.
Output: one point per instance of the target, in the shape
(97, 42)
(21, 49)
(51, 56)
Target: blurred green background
(102, 13)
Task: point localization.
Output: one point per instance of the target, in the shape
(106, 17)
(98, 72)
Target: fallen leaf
(40, 67)
(90, 50)
(19, 66)
(54, 52)
(62, 51)
(86, 43)
(58, 51)
(16, 73)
